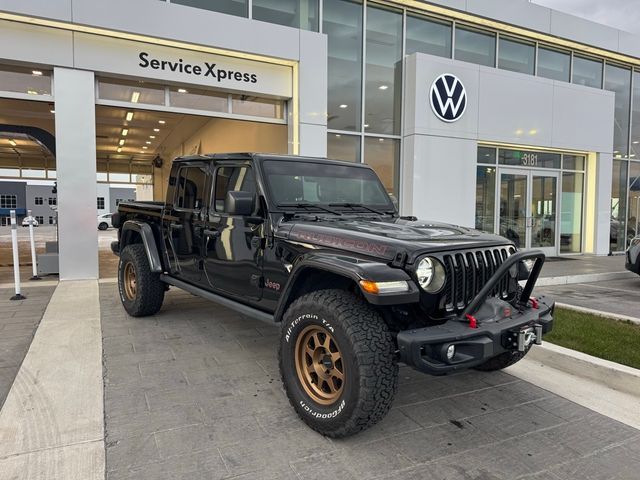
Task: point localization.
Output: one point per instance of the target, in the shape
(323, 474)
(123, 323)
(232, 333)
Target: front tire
(141, 290)
(337, 362)
(103, 226)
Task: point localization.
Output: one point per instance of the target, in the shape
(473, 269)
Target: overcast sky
(622, 14)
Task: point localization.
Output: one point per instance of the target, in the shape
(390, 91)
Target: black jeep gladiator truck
(318, 246)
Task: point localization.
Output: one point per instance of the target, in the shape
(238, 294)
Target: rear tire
(141, 290)
(103, 226)
(337, 362)
(501, 361)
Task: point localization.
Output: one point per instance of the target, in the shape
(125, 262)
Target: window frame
(212, 197)
(205, 201)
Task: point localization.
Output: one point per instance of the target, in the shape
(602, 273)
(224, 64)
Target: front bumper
(500, 326)
(425, 348)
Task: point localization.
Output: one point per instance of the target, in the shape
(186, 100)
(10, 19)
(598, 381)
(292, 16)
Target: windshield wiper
(359, 205)
(308, 205)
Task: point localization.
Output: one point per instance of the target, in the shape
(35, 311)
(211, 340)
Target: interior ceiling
(110, 122)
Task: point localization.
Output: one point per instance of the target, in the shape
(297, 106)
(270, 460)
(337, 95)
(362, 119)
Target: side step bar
(224, 301)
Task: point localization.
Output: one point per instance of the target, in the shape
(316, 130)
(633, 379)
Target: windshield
(299, 182)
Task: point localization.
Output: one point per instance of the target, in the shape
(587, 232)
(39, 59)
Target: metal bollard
(16, 258)
(34, 261)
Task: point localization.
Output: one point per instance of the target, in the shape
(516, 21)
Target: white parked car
(25, 221)
(104, 221)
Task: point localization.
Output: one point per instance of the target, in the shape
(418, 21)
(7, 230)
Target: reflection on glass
(516, 56)
(142, 173)
(513, 208)
(634, 201)
(587, 72)
(573, 162)
(475, 47)
(618, 205)
(257, 107)
(342, 22)
(428, 36)
(343, 147)
(383, 155)
(291, 13)
(383, 70)
(485, 198)
(543, 211)
(130, 92)
(571, 212)
(232, 7)
(554, 64)
(198, 99)
(635, 118)
(618, 80)
(487, 155)
(32, 81)
(529, 158)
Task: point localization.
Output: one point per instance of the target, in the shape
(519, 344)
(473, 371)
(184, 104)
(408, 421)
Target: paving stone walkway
(18, 322)
(194, 392)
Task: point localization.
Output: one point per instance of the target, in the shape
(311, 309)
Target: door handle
(211, 233)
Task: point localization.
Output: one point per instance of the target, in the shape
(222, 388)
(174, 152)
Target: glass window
(342, 22)
(231, 7)
(635, 118)
(131, 92)
(343, 147)
(618, 80)
(587, 72)
(119, 171)
(573, 162)
(40, 219)
(485, 198)
(33, 81)
(53, 200)
(291, 13)
(50, 220)
(487, 155)
(8, 201)
(428, 36)
(554, 64)
(100, 203)
(232, 179)
(383, 155)
(526, 158)
(39, 201)
(634, 201)
(571, 212)
(475, 47)
(383, 71)
(191, 191)
(516, 56)
(618, 205)
(257, 107)
(142, 173)
(198, 99)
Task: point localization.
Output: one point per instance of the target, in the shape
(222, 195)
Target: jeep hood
(385, 237)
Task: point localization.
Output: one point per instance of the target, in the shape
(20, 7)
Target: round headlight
(430, 275)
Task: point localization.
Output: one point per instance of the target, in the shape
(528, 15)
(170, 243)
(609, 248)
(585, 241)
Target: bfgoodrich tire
(337, 362)
(501, 361)
(141, 290)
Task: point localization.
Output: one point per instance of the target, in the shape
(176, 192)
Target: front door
(528, 206)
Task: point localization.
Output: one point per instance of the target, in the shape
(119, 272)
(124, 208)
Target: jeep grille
(468, 271)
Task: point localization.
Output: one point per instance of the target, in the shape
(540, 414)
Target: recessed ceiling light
(632, 155)
(366, 125)
(135, 96)
(121, 142)
(119, 149)
(383, 87)
(616, 151)
(161, 122)
(32, 92)
(156, 129)
(144, 147)
(125, 132)
(148, 142)
(12, 142)
(344, 105)
(381, 139)
(635, 142)
(152, 136)
(338, 135)
(182, 90)
(37, 73)
(129, 116)
(52, 111)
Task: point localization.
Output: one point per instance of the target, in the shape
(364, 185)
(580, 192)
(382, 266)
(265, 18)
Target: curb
(599, 313)
(583, 278)
(612, 375)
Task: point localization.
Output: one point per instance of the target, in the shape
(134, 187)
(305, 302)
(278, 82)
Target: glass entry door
(528, 208)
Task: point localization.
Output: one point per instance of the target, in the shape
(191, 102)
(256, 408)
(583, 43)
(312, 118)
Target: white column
(604, 171)
(74, 94)
(313, 94)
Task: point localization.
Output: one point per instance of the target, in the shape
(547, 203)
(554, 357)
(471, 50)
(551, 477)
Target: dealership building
(497, 114)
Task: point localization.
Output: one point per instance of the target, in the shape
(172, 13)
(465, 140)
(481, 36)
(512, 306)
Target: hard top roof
(247, 156)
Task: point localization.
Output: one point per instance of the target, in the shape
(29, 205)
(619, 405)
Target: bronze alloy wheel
(129, 281)
(319, 365)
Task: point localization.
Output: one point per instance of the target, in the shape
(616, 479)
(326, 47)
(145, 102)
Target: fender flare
(148, 241)
(352, 269)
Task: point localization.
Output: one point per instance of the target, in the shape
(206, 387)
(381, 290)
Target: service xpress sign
(111, 55)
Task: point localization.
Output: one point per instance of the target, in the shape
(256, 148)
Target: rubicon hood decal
(344, 243)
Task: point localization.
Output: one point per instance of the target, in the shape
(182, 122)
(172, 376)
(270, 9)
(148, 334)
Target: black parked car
(318, 246)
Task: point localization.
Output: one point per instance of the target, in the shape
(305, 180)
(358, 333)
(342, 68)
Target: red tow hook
(473, 323)
(534, 303)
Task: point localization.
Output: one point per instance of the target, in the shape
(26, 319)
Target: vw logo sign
(448, 97)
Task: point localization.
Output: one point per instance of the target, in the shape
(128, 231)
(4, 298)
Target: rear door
(185, 219)
(233, 246)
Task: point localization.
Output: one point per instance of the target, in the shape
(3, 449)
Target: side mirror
(239, 203)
